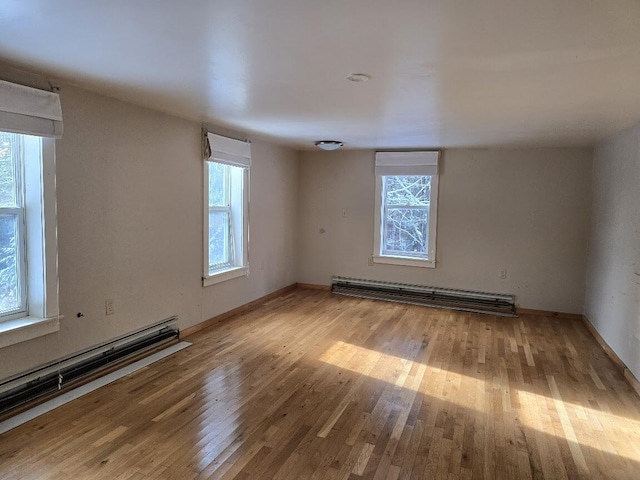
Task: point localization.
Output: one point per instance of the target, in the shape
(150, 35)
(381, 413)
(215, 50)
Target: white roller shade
(229, 151)
(29, 110)
(407, 163)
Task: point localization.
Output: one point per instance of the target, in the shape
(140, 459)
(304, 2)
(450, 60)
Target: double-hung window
(226, 209)
(30, 119)
(406, 208)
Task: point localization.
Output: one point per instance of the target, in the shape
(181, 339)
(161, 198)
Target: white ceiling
(445, 73)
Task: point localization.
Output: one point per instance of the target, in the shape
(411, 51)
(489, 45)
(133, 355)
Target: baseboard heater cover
(464, 300)
(28, 386)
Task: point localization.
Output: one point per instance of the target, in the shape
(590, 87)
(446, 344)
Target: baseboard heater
(26, 387)
(465, 300)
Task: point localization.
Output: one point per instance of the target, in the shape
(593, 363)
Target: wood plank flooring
(316, 386)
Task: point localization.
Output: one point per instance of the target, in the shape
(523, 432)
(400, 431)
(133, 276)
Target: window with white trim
(30, 120)
(226, 209)
(28, 265)
(406, 208)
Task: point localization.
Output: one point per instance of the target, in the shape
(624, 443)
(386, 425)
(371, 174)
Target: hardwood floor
(317, 386)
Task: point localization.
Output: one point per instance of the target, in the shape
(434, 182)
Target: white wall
(613, 272)
(130, 206)
(523, 210)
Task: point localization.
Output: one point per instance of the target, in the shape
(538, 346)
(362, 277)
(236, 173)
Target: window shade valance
(29, 111)
(407, 163)
(227, 150)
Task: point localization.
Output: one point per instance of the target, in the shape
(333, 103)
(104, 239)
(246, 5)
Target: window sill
(225, 275)
(26, 328)
(404, 261)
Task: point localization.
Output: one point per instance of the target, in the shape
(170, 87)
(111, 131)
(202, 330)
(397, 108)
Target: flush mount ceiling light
(358, 77)
(328, 144)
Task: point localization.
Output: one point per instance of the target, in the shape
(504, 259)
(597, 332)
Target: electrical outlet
(108, 306)
(345, 213)
(503, 274)
(371, 261)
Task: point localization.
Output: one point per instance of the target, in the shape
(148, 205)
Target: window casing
(406, 208)
(226, 226)
(36, 311)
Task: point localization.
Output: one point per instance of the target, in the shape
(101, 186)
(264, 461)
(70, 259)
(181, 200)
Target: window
(28, 266)
(406, 208)
(225, 217)
(29, 119)
(226, 207)
(13, 268)
(405, 216)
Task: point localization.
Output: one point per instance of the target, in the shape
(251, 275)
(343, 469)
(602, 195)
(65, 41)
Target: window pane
(9, 274)
(406, 230)
(218, 239)
(407, 190)
(217, 184)
(8, 184)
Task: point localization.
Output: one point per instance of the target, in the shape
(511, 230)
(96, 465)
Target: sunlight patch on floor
(609, 433)
(439, 383)
(612, 434)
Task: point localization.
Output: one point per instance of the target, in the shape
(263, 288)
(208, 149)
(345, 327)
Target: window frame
(392, 258)
(238, 230)
(42, 315)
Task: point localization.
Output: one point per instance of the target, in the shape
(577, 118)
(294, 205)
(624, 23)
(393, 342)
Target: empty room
(306, 239)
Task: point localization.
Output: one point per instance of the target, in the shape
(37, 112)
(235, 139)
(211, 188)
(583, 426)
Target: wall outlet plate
(108, 306)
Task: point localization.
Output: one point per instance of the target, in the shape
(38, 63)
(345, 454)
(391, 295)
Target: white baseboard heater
(25, 387)
(465, 300)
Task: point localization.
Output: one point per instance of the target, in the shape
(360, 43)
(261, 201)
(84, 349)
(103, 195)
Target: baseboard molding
(548, 313)
(237, 311)
(630, 377)
(314, 286)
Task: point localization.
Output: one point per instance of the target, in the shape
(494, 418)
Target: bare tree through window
(10, 223)
(406, 214)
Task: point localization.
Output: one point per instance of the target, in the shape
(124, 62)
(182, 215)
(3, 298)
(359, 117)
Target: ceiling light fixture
(358, 77)
(328, 144)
